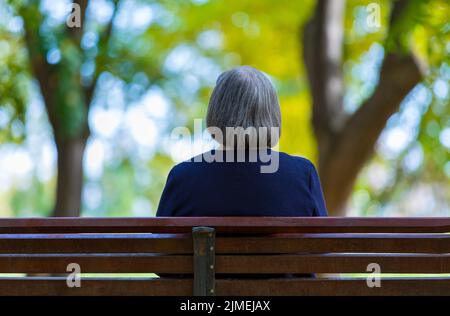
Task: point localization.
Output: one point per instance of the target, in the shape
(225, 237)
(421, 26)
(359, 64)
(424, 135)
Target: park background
(86, 113)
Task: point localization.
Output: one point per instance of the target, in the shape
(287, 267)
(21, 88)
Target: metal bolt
(211, 266)
(212, 248)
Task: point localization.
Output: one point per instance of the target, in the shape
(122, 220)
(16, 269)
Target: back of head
(244, 109)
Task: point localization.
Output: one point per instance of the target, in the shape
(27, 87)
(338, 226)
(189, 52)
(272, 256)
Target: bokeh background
(103, 99)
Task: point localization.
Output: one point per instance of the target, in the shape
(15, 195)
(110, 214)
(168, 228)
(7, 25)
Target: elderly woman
(244, 177)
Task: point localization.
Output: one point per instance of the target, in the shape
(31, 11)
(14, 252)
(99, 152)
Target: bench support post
(204, 260)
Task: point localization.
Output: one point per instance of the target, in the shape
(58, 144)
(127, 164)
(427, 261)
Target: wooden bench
(209, 247)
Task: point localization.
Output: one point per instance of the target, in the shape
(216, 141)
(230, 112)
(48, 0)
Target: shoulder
(187, 167)
(300, 163)
(179, 170)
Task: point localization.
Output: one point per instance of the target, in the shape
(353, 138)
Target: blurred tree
(67, 99)
(347, 141)
(105, 63)
(333, 43)
(67, 70)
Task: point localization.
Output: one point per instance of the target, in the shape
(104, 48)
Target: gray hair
(244, 98)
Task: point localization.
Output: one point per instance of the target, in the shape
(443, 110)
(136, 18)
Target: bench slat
(178, 287)
(95, 243)
(330, 287)
(253, 264)
(227, 225)
(321, 243)
(182, 243)
(42, 286)
(96, 263)
(333, 263)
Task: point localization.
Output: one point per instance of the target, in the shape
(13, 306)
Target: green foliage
(14, 84)
(215, 35)
(34, 200)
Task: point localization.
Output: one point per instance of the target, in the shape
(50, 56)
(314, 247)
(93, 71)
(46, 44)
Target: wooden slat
(38, 286)
(182, 243)
(253, 264)
(333, 263)
(95, 263)
(227, 225)
(272, 287)
(320, 243)
(95, 243)
(330, 287)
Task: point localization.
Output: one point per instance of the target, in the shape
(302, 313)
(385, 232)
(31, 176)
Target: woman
(244, 177)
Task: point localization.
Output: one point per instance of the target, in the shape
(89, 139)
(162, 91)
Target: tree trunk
(70, 144)
(346, 142)
(354, 145)
(69, 185)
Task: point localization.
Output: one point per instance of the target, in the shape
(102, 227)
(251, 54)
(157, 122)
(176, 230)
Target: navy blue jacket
(240, 189)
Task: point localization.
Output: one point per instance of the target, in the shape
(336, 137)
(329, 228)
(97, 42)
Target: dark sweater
(241, 189)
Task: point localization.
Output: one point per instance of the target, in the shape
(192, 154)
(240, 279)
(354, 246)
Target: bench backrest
(195, 255)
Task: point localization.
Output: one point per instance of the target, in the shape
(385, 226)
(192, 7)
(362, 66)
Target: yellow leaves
(265, 34)
(296, 134)
(265, 39)
(419, 43)
(430, 38)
